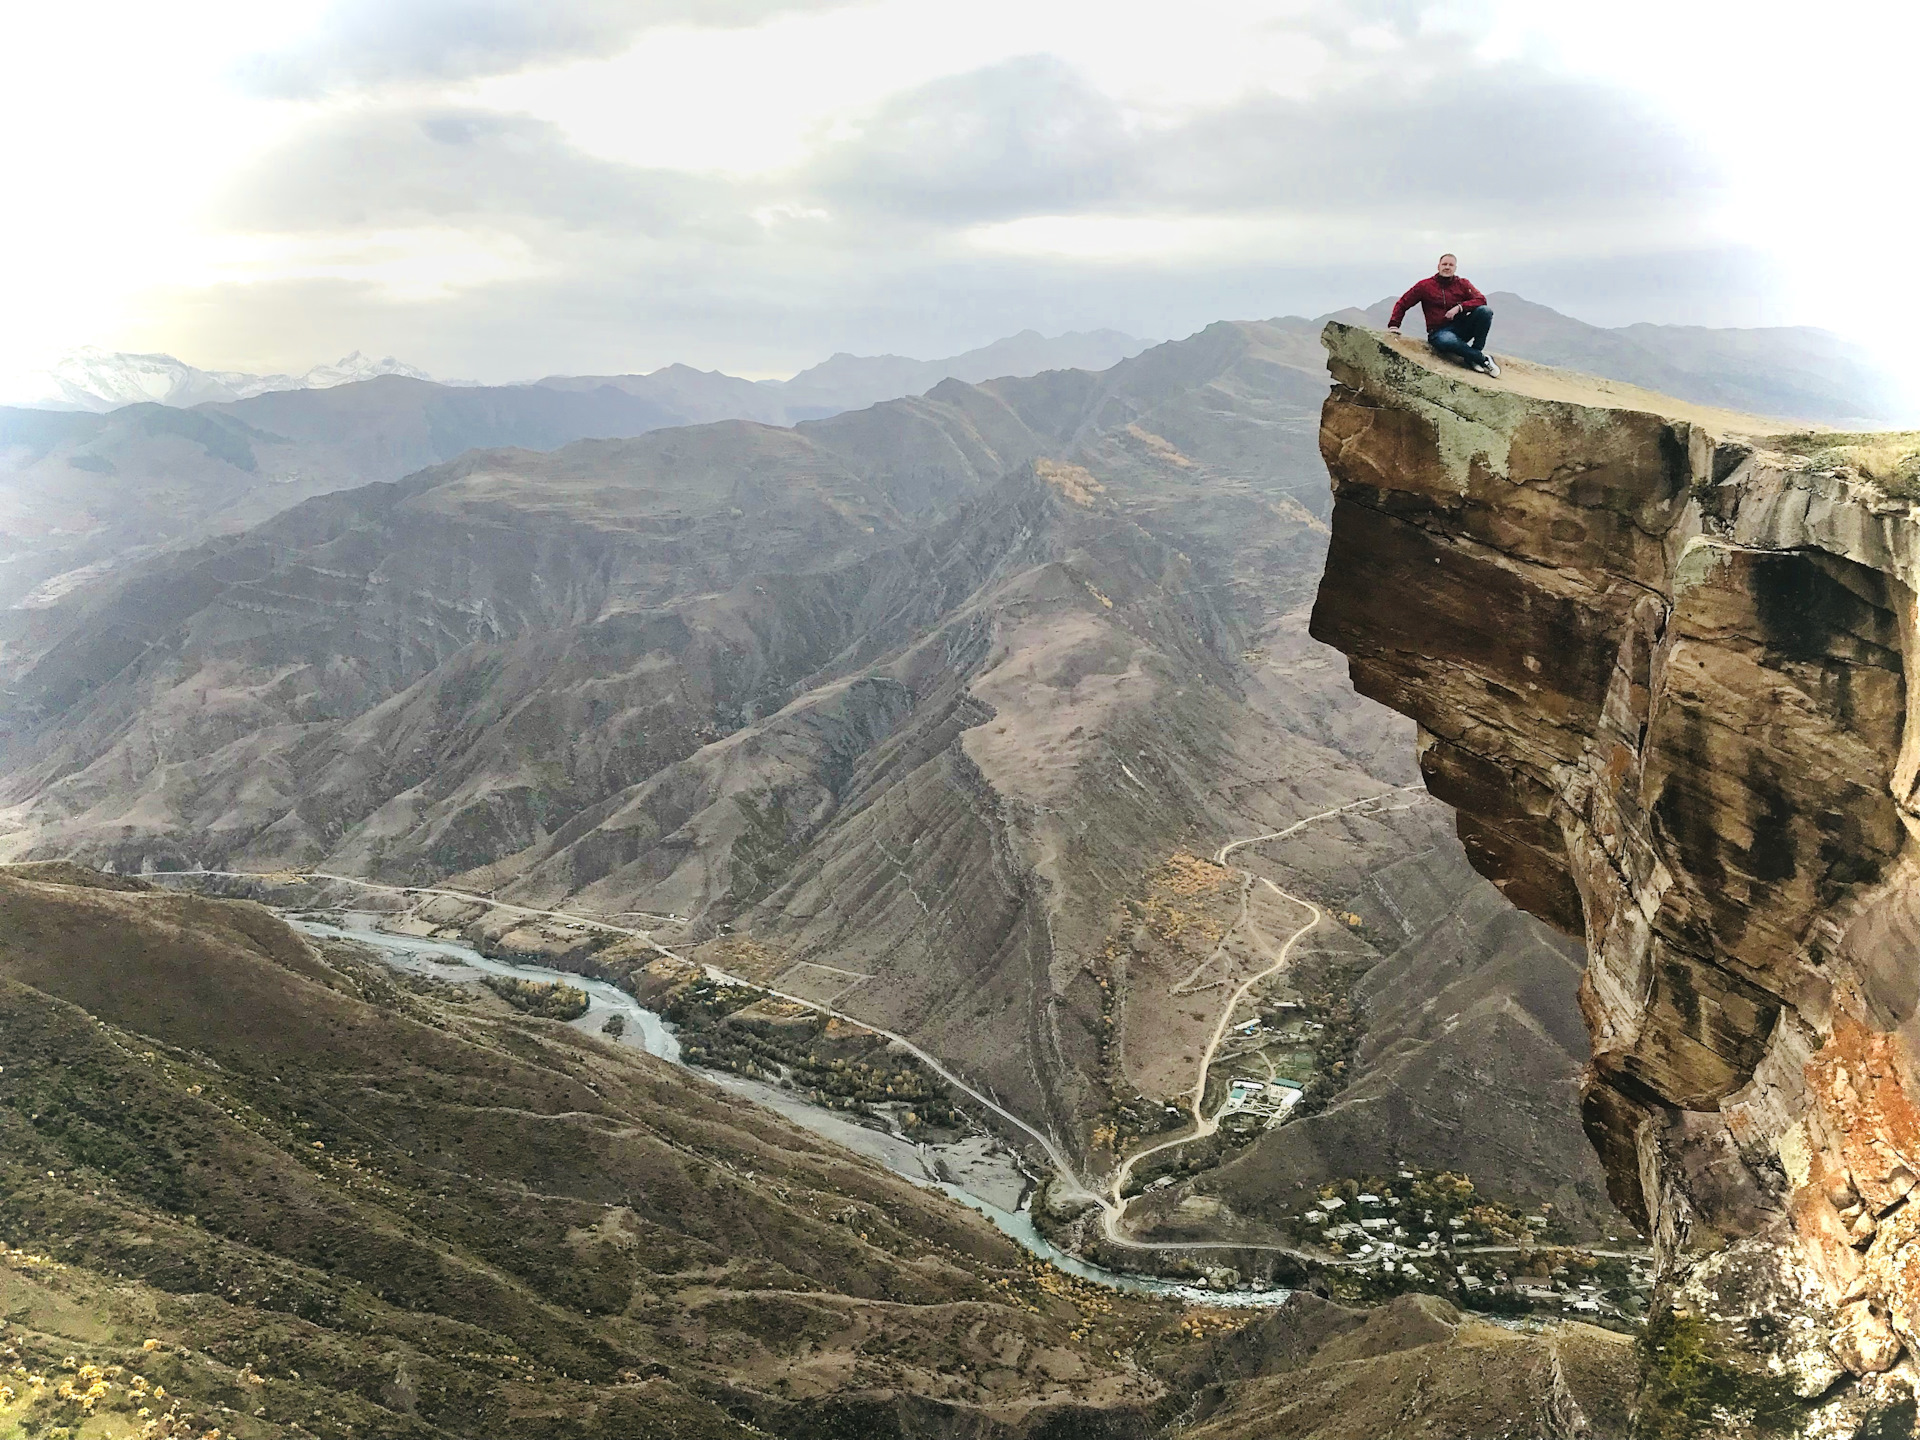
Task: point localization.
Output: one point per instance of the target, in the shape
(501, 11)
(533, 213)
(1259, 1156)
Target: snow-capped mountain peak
(356, 367)
(94, 379)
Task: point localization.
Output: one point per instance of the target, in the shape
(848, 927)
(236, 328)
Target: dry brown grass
(738, 955)
(1190, 875)
(1891, 459)
(1176, 895)
(276, 1155)
(1075, 482)
(1161, 933)
(1160, 448)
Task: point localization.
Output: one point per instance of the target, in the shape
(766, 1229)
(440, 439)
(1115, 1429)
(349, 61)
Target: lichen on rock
(1663, 661)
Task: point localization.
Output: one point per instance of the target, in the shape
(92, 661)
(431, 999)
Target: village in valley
(1423, 1231)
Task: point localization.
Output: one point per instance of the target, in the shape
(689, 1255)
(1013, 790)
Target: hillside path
(1204, 1125)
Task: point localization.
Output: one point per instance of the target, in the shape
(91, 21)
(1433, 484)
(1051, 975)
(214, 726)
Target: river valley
(977, 1170)
(424, 930)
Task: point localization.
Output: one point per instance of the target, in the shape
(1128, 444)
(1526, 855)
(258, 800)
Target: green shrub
(549, 999)
(1686, 1391)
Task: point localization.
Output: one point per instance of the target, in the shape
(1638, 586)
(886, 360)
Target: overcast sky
(500, 189)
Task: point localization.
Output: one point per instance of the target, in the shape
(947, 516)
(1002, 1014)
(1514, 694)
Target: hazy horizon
(1020, 353)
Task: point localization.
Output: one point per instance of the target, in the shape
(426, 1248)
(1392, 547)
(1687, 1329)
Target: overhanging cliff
(1661, 660)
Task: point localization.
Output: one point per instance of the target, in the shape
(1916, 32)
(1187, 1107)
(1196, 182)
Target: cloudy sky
(500, 189)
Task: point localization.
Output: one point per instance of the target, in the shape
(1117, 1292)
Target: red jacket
(1437, 294)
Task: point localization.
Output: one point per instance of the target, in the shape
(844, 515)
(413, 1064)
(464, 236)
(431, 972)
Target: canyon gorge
(994, 720)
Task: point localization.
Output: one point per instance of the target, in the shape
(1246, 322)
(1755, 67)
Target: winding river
(988, 1181)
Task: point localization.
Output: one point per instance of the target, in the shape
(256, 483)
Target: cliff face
(1661, 660)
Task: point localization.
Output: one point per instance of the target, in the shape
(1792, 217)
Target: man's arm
(1405, 303)
(1470, 299)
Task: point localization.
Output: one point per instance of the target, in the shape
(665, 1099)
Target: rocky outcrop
(1661, 659)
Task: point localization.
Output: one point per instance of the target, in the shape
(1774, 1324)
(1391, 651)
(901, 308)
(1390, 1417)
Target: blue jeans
(1464, 338)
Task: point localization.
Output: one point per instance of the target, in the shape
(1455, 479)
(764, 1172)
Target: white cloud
(496, 179)
(355, 45)
(1807, 110)
(1108, 238)
(114, 126)
(408, 266)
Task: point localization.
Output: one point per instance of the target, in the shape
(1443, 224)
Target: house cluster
(1373, 1239)
(1383, 1242)
(1267, 1099)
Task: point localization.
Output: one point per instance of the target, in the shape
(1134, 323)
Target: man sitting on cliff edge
(1458, 316)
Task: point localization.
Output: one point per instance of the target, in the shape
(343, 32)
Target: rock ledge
(1662, 667)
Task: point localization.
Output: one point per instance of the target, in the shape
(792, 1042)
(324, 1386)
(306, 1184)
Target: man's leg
(1448, 342)
(1472, 325)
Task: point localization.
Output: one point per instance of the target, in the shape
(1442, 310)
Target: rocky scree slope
(910, 698)
(1661, 659)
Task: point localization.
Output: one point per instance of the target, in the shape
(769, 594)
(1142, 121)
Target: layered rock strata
(1662, 661)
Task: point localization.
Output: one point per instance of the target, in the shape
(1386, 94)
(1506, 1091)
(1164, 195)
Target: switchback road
(1112, 1202)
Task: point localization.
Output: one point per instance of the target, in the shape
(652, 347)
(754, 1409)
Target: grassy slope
(302, 1199)
(412, 1216)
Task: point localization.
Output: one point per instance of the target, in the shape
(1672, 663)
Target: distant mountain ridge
(101, 380)
(96, 380)
(82, 489)
(1799, 372)
(853, 382)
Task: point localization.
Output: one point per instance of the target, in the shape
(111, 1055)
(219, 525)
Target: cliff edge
(1662, 659)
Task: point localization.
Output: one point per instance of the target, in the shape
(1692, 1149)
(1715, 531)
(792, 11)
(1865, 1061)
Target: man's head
(1448, 264)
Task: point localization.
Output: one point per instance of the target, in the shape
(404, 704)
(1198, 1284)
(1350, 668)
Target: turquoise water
(447, 960)
(1019, 1226)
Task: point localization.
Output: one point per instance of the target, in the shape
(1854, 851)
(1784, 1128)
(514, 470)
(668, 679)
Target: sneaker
(1488, 367)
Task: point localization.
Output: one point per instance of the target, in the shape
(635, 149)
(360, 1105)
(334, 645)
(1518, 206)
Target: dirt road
(1110, 1199)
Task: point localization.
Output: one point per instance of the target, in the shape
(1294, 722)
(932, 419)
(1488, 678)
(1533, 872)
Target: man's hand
(1455, 311)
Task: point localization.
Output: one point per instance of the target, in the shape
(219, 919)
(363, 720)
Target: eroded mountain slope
(347, 1205)
(1468, 1059)
(914, 698)
(82, 494)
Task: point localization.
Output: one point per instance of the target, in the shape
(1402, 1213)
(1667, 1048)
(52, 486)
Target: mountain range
(265, 1188)
(1800, 372)
(928, 693)
(847, 382)
(985, 716)
(95, 380)
(82, 492)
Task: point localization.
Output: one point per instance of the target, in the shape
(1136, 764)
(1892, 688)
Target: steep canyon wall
(1662, 660)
